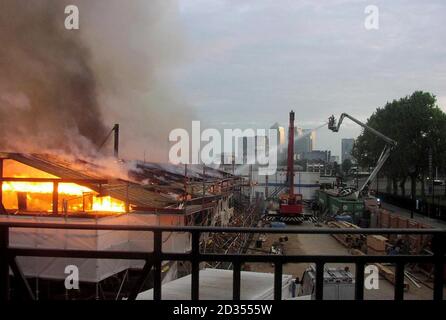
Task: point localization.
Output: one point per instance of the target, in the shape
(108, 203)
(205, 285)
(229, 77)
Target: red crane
(290, 203)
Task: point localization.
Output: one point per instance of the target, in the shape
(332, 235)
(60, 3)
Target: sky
(248, 63)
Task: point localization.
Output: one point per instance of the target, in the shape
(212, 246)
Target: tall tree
(418, 125)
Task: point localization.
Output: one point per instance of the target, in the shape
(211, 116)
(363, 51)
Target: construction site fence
(425, 205)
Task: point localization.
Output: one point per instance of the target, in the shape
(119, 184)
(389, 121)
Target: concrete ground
(307, 244)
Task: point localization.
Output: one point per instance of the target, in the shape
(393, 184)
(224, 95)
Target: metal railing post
(438, 247)
(236, 280)
(195, 295)
(319, 281)
(278, 270)
(157, 279)
(399, 281)
(359, 281)
(4, 263)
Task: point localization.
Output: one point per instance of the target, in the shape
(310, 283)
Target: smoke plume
(64, 89)
(47, 87)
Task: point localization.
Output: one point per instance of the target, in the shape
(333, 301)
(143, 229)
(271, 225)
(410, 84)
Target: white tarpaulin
(216, 284)
(90, 270)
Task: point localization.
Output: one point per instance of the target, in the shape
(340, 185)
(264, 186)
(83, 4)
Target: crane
(291, 203)
(334, 126)
(291, 209)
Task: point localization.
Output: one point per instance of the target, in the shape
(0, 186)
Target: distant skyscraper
(305, 141)
(281, 141)
(347, 147)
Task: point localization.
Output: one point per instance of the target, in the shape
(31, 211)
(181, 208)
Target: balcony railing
(153, 260)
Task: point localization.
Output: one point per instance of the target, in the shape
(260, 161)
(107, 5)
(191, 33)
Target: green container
(322, 199)
(355, 208)
(338, 205)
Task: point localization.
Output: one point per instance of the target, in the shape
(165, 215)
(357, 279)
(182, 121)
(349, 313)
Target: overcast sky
(250, 62)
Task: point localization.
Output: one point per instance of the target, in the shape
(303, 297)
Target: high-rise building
(347, 147)
(305, 139)
(281, 142)
(281, 139)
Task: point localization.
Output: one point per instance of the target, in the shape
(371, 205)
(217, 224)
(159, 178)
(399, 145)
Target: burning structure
(59, 90)
(48, 188)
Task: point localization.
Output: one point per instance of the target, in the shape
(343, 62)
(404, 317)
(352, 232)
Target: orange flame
(39, 194)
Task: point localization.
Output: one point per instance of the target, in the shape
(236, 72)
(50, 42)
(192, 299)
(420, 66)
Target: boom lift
(390, 145)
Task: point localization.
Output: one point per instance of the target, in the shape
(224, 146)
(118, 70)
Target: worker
(294, 287)
(400, 247)
(314, 207)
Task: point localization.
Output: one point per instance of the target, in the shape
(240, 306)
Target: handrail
(153, 259)
(79, 226)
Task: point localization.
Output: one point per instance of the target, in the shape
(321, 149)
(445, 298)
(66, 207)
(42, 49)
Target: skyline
(249, 63)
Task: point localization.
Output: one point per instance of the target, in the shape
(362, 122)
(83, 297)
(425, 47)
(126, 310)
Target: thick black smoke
(48, 91)
(64, 89)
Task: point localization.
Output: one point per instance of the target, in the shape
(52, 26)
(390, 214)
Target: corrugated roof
(117, 188)
(153, 184)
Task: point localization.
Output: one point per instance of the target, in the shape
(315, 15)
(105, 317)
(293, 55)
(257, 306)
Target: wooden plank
(377, 242)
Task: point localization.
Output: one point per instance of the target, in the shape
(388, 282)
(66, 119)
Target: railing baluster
(195, 287)
(359, 281)
(18, 274)
(157, 249)
(438, 247)
(140, 282)
(399, 281)
(4, 265)
(237, 267)
(319, 280)
(278, 280)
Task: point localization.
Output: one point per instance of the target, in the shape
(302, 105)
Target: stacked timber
(376, 245)
(418, 243)
(347, 240)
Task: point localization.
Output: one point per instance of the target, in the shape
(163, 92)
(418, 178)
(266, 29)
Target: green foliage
(417, 124)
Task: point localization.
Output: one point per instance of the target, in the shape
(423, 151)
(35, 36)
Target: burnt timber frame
(154, 259)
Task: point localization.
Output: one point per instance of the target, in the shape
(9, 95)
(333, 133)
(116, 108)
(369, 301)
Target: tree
(346, 166)
(418, 125)
(336, 169)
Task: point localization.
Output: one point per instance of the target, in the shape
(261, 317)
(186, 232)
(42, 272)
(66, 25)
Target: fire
(108, 204)
(45, 187)
(37, 196)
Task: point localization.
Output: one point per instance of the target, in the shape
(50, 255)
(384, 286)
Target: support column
(55, 197)
(116, 141)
